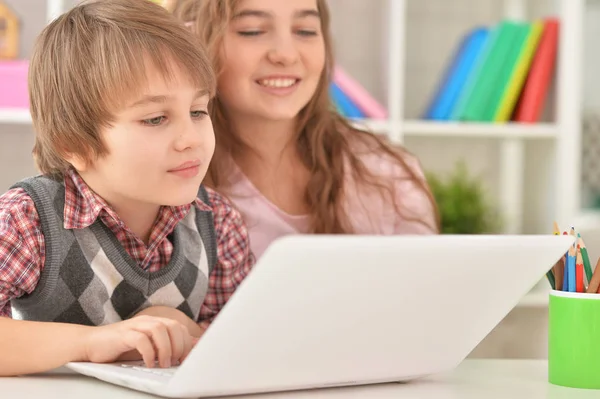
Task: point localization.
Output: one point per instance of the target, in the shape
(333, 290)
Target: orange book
(538, 81)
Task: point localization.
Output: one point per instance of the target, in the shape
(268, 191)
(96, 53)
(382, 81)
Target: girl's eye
(198, 114)
(249, 33)
(154, 121)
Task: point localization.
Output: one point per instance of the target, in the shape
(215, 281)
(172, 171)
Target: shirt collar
(83, 206)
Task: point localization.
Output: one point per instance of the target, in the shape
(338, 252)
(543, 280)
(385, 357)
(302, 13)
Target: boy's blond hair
(91, 60)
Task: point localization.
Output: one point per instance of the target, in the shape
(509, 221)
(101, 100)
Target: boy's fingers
(141, 342)
(158, 332)
(176, 335)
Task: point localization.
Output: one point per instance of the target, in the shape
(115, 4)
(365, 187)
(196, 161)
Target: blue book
(457, 74)
(344, 103)
(475, 74)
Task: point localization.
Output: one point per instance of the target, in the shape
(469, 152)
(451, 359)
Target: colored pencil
(595, 281)
(555, 228)
(552, 275)
(565, 286)
(551, 279)
(579, 273)
(559, 274)
(571, 270)
(586, 259)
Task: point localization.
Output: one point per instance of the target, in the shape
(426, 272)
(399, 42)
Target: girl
(284, 156)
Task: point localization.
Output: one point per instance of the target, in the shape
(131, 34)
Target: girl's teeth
(277, 82)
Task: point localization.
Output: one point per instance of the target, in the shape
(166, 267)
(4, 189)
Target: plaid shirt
(22, 249)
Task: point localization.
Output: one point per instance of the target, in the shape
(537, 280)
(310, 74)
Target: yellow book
(519, 73)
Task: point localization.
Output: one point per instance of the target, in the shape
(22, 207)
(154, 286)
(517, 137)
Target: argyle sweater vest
(88, 278)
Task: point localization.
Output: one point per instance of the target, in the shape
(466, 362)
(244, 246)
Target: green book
(507, 70)
(480, 99)
(467, 91)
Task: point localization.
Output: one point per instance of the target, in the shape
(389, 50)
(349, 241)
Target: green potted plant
(463, 204)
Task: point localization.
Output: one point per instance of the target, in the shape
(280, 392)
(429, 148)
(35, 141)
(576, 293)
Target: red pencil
(579, 273)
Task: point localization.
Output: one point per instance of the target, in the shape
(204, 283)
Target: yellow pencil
(555, 275)
(556, 229)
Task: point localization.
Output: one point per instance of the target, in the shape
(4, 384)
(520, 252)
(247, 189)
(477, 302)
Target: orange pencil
(579, 272)
(595, 281)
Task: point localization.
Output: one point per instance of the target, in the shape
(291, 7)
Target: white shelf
(377, 126)
(418, 128)
(15, 116)
(425, 128)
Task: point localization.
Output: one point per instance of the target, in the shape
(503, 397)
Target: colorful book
(519, 73)
(348, 108)
(538, 81)
(453, 82)
(506, 73)
(367, 104)
(482, 96)
(467, 91)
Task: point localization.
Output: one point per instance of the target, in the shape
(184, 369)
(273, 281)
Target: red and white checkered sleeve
(234, 256)
(21, 247)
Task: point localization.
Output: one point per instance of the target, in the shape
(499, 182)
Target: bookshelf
(563, 134)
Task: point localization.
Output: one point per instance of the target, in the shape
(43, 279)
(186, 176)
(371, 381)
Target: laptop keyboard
(164, 372)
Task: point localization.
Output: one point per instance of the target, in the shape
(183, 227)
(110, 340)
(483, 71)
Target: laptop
(325, 311)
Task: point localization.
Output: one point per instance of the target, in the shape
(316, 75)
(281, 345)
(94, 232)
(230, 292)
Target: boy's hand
(153, 337)
(173, 314)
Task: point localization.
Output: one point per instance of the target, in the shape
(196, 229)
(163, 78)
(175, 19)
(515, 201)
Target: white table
(473, 379)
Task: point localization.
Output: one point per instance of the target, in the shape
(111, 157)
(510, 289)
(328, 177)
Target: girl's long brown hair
(325, 140)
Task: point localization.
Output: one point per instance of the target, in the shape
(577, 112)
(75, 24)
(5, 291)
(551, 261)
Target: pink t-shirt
(368, 211)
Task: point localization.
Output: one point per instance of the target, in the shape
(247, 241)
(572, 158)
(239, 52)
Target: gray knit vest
(88, 277)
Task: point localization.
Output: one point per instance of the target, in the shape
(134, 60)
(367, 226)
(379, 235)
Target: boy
(113, 227)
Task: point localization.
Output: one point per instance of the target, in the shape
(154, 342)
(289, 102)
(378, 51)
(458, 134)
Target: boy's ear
(78, 162)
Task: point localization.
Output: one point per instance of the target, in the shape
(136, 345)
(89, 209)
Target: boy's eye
(154, 121)
(306, 32)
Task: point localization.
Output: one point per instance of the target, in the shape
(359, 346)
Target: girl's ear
(190, 26)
